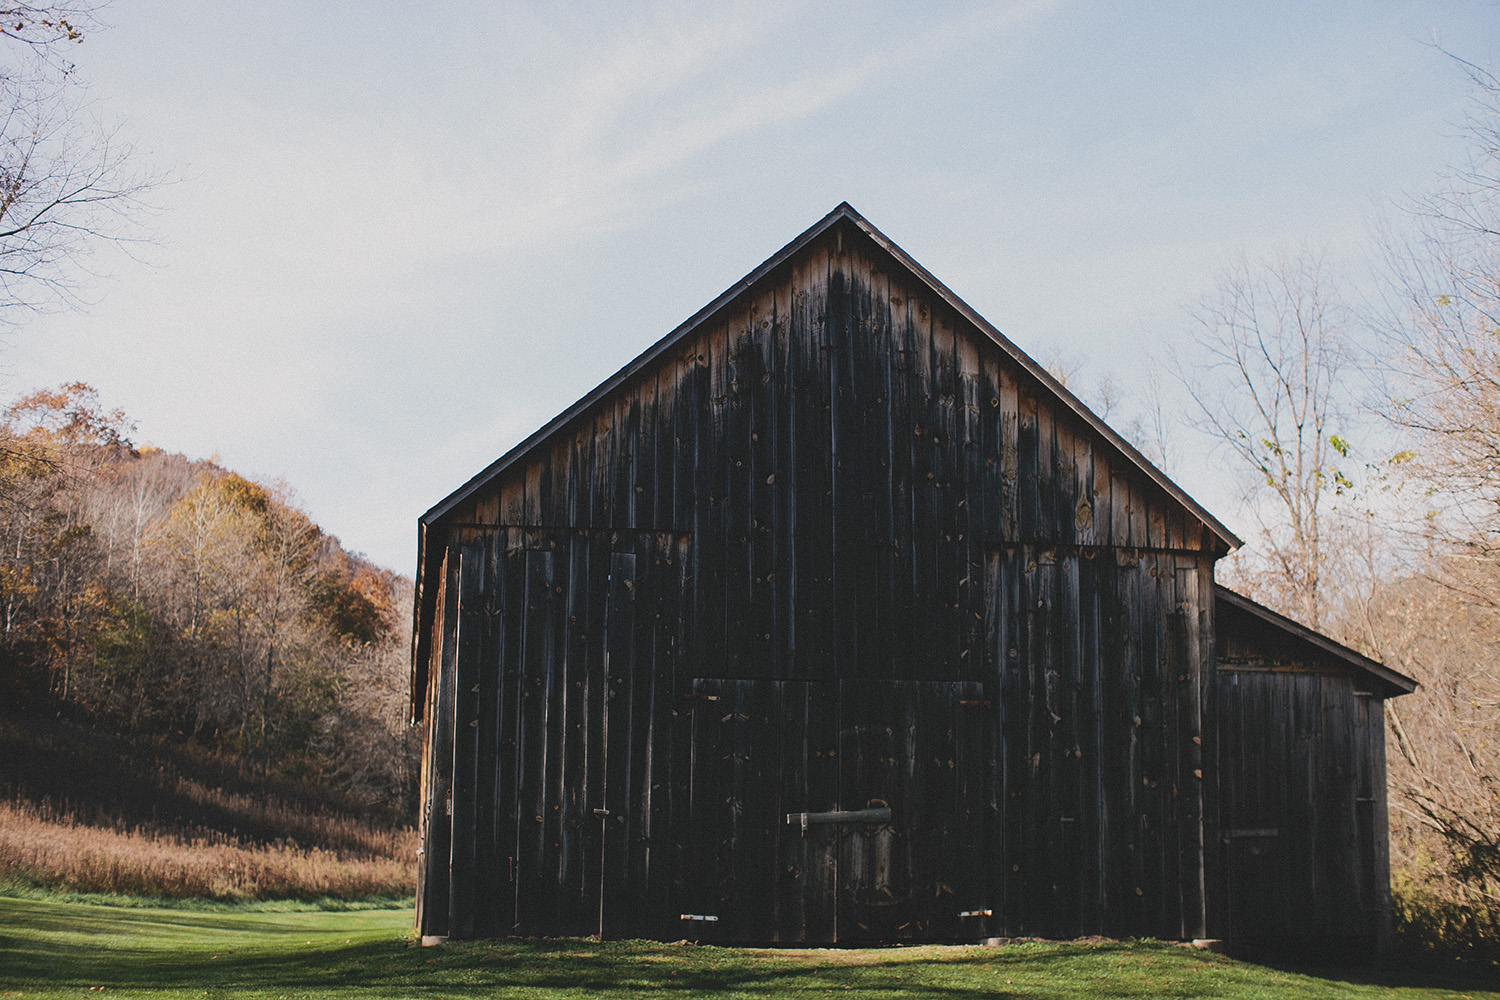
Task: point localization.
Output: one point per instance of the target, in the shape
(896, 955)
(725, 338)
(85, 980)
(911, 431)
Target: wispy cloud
(668, 90)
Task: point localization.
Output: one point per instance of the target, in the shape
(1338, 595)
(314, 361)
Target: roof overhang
(1392, 681)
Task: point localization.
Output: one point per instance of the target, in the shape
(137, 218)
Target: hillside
(90, 811)
(201, 691)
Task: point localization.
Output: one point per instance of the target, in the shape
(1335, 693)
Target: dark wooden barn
(833, 617)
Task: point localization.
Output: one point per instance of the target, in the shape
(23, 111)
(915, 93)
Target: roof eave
(1229, 539)
(1397, 682)
(642, 361)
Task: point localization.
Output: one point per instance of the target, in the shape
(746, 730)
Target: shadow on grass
(582, 968)
(65, 946)
(1392, 972)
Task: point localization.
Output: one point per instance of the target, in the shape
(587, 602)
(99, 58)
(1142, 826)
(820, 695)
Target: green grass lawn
(58, 948)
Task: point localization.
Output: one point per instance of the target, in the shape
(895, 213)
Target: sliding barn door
(827, 812)
(918, 748)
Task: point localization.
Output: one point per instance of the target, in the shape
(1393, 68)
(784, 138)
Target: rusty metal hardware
(876, 812)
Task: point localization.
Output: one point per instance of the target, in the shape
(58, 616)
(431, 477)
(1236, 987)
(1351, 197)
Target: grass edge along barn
(833, 617)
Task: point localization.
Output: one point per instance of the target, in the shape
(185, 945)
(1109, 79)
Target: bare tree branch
(67, 181)
(1270, 354)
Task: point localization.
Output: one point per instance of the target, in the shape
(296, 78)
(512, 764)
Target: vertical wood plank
(1010, 458)
(946, 630)
(491, 880)
(844, 457)
(761, 507)
(472, 616)
(577, 906)
(814, 472)
(539, 656)
(881, 356)
(513, 575)
(512, 496)
(620, 670)
(1050, 502)
(902, 420)
(1187, 735)
(1028, 471)
(821, 846)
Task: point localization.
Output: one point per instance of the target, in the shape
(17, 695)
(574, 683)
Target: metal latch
(1266, 831)
(876, 812)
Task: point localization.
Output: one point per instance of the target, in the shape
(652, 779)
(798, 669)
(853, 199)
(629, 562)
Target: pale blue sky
(404, 236)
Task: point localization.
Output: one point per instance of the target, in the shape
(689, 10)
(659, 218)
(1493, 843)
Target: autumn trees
(1437, 360)
(165, 596)
(1395, 550)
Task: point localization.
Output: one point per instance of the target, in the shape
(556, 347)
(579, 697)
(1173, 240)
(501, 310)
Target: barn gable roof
(1393, 682)
(843, 214)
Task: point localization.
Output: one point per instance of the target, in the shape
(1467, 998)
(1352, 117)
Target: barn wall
(1303, 796)
(844, 449)
(860, 494)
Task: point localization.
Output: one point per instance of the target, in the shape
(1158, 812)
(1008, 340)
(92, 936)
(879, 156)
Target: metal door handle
(876, 814)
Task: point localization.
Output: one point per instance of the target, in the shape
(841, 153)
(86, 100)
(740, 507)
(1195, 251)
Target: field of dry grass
(42, 846)
(85, 811)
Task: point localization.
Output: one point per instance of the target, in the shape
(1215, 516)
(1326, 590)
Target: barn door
(761, 751)
(613, 807)
(1254, 784)
(827, 812)
(912, 794)
(633, 851)
(471, 803)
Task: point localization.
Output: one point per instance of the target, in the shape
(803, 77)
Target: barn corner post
(1380, 821)
(434, 691)
(1207, 751)
(420, 715)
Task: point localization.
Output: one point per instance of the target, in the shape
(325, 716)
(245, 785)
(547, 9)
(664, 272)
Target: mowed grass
(55, 948)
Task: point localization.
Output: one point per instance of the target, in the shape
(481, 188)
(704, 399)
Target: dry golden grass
(48, 846)
(298, 825)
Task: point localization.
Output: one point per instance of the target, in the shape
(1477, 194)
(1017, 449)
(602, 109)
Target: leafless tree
(1445, 739)
(1149, 428)
(1440, 362)
(67, 181)
(1265, 381)
(1438, 379)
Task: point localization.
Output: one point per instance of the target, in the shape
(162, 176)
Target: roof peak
(841, 212)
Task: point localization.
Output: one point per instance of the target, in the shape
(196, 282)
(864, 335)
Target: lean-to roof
(1392, 681)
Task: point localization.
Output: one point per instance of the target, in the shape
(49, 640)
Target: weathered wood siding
(1304, 796)
(866, 556)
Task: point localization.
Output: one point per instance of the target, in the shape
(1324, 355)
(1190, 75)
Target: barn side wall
(1305, 837)
(858, 493)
